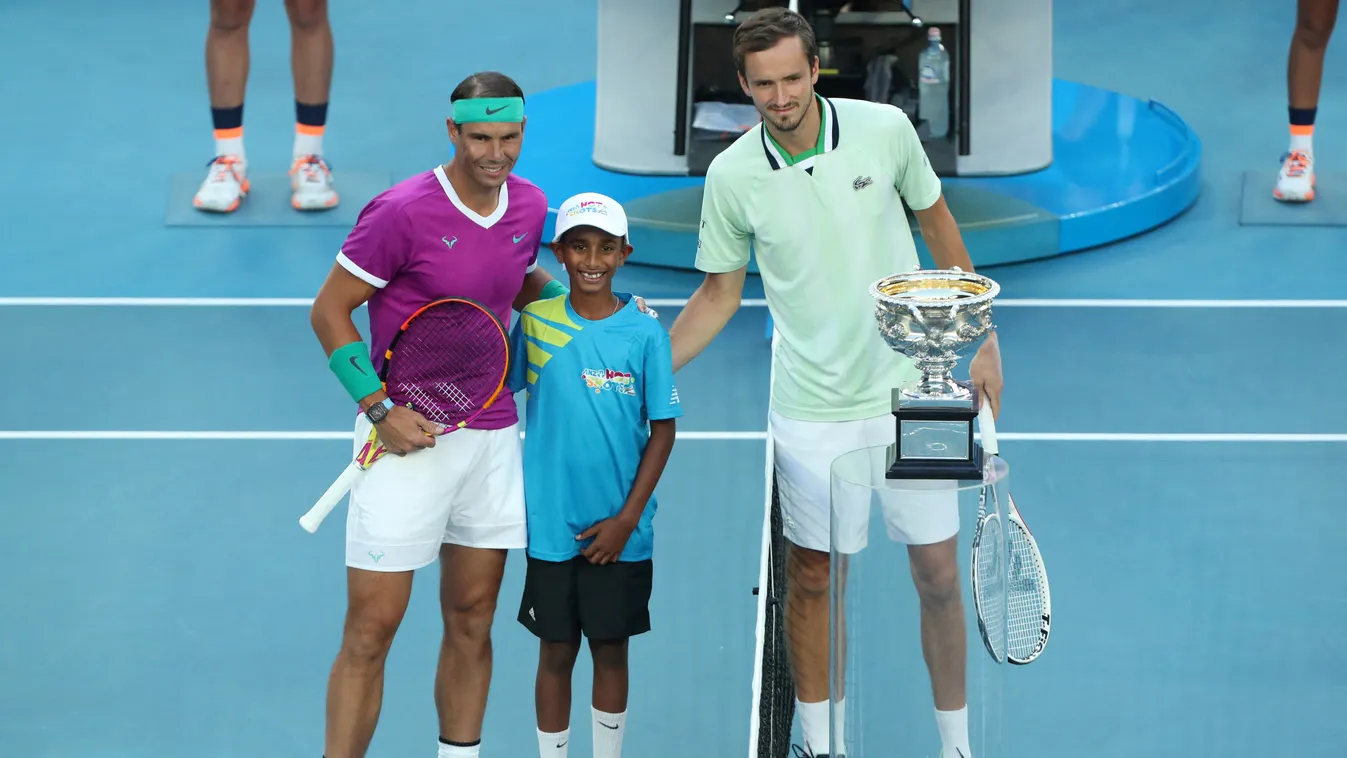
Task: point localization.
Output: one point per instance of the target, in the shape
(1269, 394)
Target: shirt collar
(829, 135)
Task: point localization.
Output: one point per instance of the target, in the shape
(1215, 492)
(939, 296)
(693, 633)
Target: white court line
(242, 302)
(291, 302)
(273, 436)
(157, 302)
(1164, 303)
(113, 435)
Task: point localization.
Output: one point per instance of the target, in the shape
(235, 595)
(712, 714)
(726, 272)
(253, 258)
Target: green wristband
(554, 288)
(352, 366)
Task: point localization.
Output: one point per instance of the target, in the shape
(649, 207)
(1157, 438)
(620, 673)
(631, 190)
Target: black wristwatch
(379, 411)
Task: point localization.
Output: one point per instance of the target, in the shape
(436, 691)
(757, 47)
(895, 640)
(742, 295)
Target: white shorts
(467, 490)
(804, 453)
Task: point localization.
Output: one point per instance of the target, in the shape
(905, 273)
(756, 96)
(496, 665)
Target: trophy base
(934, 438)
(967, 469)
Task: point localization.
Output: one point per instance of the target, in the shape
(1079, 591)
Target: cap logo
(588, 206)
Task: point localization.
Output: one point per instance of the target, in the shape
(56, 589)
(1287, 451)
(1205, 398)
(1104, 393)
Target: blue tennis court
(1172, 418)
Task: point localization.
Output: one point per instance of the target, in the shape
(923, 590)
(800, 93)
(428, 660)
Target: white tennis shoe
(311, 184)
(1295, 181)
(225, 186)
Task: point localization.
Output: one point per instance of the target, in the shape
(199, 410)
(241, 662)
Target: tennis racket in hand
(448, 361)
(1010, 582)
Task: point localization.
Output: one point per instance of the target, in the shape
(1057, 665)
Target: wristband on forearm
(352, 366)
(554, 288)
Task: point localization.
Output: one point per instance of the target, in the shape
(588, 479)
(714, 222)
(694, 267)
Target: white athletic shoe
(1295, 182)
(225, 186)
(311, 182)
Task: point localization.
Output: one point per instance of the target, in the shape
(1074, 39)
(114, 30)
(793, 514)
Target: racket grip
(314, 518)
(987, 426)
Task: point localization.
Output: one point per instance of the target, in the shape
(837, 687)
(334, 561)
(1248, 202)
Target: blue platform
(1121, 166)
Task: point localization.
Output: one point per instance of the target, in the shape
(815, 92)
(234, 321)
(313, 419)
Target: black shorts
(607, 603)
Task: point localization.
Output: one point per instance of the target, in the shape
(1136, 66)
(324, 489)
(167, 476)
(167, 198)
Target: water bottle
(933, 85)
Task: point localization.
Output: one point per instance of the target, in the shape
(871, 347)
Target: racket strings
(451, 392)
(1025, 604)
(990, 592)
(448, 363)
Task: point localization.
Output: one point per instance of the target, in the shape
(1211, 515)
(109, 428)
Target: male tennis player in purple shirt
(471, 229)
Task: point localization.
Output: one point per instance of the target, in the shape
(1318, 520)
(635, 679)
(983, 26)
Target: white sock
(308, 144)
(553, 744)
(954, 733)
(814, 724)
(1303, 143)
(459, 751)
(608, 729)
(230, 146)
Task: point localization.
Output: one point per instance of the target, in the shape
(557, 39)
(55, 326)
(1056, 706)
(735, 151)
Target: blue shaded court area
(1178, 460)
(167, 593)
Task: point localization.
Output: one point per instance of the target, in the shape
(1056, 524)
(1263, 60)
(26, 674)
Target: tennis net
(773, 685)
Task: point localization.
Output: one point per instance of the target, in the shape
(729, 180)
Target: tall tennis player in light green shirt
(818, 190)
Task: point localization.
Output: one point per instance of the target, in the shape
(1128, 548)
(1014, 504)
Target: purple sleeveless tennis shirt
(417, 242)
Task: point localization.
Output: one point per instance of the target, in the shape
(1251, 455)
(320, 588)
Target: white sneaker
(311, 184)
(225, 186)
(1295, 182)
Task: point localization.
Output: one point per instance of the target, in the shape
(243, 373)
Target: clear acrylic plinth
(881, 688)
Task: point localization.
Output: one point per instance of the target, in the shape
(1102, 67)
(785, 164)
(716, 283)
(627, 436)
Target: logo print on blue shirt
(608, 379)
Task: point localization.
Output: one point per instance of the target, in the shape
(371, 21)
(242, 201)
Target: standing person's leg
(1315, 20)
(552, 696)
(470, 580)
(487, 518)
(804, 453)
(227, 58)
(608, 707)
(311, 63)
(944, 643)
(614, 603)
(376, 604)
(924, 515)
(394, 525)
(549, 608)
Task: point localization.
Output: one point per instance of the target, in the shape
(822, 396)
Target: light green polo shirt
(824, 225)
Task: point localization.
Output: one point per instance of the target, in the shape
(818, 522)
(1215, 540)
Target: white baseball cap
(591, 209)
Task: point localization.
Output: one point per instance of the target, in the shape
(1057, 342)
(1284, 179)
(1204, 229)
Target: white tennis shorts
(467, 490)
(805, 451)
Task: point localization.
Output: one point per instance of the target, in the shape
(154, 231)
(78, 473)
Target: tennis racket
(988, 574)
(448, 361)
(1016, 598)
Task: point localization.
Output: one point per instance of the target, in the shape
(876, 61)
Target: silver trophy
(936, 318)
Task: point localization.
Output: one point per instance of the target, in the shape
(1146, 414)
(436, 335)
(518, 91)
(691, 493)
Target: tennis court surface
(168, 603)
(1180, 466)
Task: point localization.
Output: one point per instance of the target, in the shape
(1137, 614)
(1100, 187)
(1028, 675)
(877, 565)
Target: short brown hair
(769, 26)
(486, 84)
